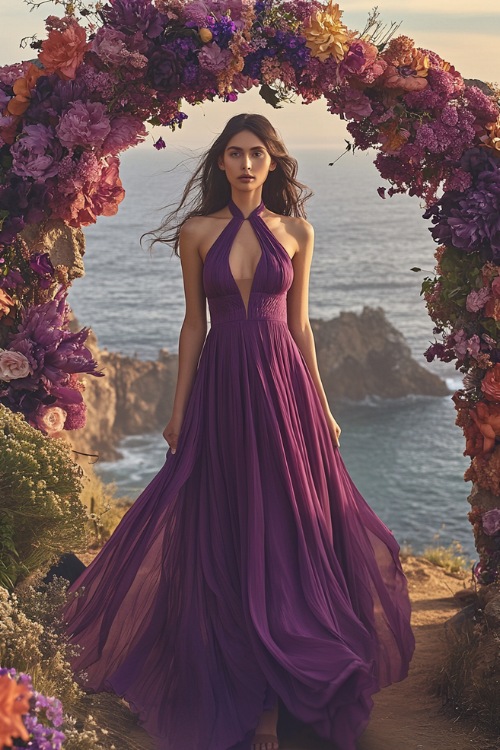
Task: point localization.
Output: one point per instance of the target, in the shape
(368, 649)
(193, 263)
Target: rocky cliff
(358, 356)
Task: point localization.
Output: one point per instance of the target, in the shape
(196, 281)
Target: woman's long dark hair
(209, 190)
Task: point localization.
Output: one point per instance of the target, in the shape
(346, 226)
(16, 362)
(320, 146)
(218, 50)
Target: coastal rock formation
(358, 356)
(364, 355)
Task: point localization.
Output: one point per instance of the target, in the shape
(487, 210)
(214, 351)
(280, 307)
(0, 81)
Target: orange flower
(409, 77)
(14, 702)
(492, 140)
(63, 51)
(392, 137)
(326, 35)
(487, 419)
(490, 384)
(205, 35)
(492, 308)
(22, 91)
(6, 302)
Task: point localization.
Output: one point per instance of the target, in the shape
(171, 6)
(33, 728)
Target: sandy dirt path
(406, 716)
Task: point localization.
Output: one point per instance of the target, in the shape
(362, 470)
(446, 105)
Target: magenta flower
(125, 131)
(36, 154)
(84, 124)
(76, 416)
(213, 58)
(352, 103)
(476, 300)
(491, 521)
(114, 48)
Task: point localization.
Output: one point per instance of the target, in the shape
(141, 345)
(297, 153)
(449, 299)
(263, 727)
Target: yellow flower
(205, 35)
(326, 35)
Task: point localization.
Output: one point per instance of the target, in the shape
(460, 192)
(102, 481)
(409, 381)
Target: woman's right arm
(194, 327)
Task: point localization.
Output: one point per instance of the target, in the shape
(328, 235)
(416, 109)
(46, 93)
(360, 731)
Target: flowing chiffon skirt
(251, 567)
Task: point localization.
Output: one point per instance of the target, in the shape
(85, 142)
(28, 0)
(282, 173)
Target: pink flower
(491, 521)
(77, 416)
(111, 46)
(13, 365)
(50, 419)
(125, 131)
(476, 300)
(213, 58)
(83, 124)
(86, 189)
(351, 103)
(490, 384)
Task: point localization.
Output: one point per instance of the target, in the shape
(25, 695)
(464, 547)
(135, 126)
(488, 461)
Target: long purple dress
(251, 567)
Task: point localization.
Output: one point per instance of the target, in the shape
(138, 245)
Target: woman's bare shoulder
(299, 228)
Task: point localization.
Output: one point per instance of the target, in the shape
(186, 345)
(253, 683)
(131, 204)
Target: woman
(250, 573)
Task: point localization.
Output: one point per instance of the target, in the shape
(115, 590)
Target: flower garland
(67, 116)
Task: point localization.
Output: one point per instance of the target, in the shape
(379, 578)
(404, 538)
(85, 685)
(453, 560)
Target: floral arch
(105, 70)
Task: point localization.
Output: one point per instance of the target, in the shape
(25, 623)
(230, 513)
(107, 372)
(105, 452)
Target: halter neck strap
(236, 212)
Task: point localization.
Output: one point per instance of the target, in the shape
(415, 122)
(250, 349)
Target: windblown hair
(208, 190)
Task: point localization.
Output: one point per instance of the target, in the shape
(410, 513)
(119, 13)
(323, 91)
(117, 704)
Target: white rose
(13, 365)
(51, 419)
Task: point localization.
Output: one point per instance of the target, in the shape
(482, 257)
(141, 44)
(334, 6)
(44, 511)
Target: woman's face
(246, 162)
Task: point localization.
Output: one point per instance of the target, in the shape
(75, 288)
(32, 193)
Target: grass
(450, 558)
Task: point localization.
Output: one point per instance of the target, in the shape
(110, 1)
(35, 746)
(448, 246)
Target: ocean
(405, 455)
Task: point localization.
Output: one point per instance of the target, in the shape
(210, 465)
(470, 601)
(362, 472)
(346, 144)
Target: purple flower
(353, 61)
(54, 355)
(12, 279)
(222, 29)
(491, 521)
(442, 352)
(76, 416)
(213, 58)
(126, 131)
(476, 300)
(114, 48)
(196, 13)
(41, 264)
(36, 154)
(350, 103)
(130, 15)
(84, 124)
(159, 144)
(471, 220)
(25, 202)
(165, 69)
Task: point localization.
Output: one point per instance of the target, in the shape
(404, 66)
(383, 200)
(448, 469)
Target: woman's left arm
(298, 315)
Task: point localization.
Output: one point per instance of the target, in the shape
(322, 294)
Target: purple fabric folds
(251, 567)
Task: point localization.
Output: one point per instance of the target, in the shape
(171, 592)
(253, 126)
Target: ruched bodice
(272, 278)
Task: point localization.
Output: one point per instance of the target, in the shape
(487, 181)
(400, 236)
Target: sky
(464, 33)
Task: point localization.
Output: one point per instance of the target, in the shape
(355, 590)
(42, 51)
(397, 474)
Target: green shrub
(41, 515)
(105, 510)
(32, 640)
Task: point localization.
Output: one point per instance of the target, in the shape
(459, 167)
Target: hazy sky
(464, 33)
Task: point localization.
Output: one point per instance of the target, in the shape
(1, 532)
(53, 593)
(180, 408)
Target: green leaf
(270, 96)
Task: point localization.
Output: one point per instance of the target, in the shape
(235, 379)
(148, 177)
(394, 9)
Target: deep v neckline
(238, 216)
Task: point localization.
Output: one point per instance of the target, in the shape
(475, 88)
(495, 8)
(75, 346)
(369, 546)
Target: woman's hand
(334, 429)
(171, 432)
